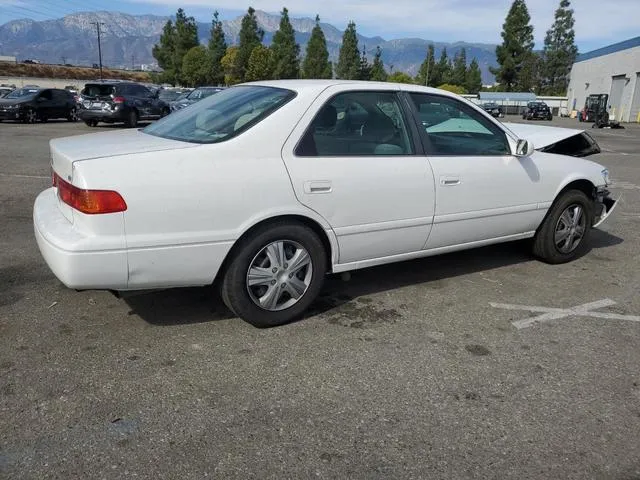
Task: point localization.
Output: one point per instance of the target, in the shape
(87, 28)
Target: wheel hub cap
(570, 229)
(279, 275)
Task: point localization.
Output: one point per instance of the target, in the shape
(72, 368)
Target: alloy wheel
(279, 275)
(570, 229)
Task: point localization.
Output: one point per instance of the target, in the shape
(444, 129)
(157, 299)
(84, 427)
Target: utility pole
(64, 60)
(97, 24)
(133, 67)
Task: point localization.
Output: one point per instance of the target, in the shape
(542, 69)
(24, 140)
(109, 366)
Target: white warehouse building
(612, 70)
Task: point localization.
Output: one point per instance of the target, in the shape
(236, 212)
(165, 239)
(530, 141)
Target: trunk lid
(562, 141)
(68, 150)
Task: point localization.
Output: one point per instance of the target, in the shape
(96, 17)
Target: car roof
(320, 85)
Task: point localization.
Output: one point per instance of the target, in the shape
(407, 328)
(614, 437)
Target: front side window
(221, 116)
(357, 124)
(454, 128)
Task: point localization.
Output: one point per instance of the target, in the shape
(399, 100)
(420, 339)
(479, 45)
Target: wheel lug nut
(286, 265)
(273, 282)
(291, 275)
(274, 269)
(284, 285)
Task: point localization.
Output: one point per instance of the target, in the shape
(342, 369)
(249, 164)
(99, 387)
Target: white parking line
(585, 310)
(17, 175)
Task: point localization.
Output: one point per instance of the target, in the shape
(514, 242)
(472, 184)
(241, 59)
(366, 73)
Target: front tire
(564, 233)
(73, 115)
(275, 274)
(31, 116)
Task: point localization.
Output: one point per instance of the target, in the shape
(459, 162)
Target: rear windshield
(23, 92)
(221, 116)
(98, 90)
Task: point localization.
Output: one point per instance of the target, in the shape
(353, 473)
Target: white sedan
(264, 188)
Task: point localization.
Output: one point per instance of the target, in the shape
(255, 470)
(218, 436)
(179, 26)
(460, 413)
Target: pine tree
(186, 37)
(250, 37)
(196, 67)
(530, 73)
(459, 73)
(443, 70)
(261, 64)
(517, 44)
(559, 52)
(348, 67)
(365, 68)
(217, 50)
(378, 73)
(285, 51)
(163, 52)
(427, 68)
(473, 77)
(316, 61)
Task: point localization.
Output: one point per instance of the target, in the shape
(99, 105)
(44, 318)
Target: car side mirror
(41, 99)
(524, 148)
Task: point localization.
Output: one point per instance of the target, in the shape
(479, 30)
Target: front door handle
(317, 186)
(449, 181)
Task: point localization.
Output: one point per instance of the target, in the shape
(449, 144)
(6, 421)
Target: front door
(482, 190)
(353, 159)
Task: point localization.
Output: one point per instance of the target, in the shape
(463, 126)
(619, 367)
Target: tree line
(521, 68)
(186, 62)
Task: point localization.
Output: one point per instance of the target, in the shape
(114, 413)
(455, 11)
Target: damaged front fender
(604, 206)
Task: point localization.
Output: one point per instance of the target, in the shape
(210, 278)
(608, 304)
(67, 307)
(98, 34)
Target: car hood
(11, 101)
(564, 141)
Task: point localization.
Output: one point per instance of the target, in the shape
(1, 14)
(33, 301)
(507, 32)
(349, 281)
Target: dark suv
(113, 102)
(539, 110)
(32, 104)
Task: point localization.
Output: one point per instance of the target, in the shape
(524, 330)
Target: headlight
(9, 107)
(605, 176)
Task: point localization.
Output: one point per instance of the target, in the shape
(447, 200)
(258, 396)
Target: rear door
(143, 100)
(60, 98)
(354, 159)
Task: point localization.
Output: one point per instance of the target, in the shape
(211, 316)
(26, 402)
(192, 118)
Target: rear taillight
(89, 201)
(118, 99)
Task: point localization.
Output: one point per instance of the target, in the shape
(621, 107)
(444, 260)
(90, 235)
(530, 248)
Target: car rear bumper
(108, 116)
(71, 255)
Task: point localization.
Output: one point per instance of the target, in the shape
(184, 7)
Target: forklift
(596, 110)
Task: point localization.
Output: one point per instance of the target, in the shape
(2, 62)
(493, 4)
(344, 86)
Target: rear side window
(98, 90)
(357, 124)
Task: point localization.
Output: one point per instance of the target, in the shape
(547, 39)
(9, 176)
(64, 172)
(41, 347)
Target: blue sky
(441, 20)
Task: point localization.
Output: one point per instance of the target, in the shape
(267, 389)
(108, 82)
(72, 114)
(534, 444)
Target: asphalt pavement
(425, 369)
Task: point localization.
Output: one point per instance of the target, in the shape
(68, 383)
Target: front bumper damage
(604, 206)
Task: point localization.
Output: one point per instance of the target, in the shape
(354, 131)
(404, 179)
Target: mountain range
(127, 41)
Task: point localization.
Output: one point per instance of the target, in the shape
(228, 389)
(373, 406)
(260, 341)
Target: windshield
(23, 92)
(201, 93)
(221, 116)
(97, 90)
(169, 95)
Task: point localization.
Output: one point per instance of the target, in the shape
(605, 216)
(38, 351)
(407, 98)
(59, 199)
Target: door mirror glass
(524, 148)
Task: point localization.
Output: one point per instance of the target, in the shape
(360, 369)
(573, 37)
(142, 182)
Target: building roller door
(615, 97)
(635, 103)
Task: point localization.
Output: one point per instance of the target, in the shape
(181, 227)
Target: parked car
(537, 110)
(195, 96)
(264, 188)
(114, 102)
(172, 94)
(493, 109)
(32, 104)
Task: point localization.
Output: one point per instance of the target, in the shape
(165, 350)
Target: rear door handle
(317, 186)
(449, 181)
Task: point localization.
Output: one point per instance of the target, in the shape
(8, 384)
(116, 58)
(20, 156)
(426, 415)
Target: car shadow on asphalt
(181, 306)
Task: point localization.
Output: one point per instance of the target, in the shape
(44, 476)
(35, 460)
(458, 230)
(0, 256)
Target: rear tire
(564, 233)
(132, 119)
(91, 123)
(249, 299)
(73, 115)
